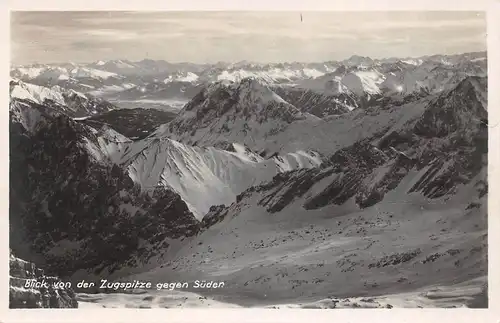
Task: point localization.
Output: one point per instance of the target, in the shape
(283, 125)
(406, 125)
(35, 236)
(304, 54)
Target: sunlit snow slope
(68, 102)
(201, 176)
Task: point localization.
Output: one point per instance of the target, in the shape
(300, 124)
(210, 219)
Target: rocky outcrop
(24, 276)
(214, 215)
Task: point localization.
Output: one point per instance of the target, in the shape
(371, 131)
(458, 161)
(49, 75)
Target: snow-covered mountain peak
(236, 98)
(236, 110)
(69, 102)
(35, 93)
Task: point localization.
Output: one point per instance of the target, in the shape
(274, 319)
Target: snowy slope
(203, 177)
(35, 93)
(402, 245)
(470, 294)
(361, 82)
(69, 102)
(115, 66)
(20, 271)
(80, 77)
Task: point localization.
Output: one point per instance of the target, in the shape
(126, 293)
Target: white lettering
(209, 284)
(103, 281)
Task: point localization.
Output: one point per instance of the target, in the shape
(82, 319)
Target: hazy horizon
(259, 37)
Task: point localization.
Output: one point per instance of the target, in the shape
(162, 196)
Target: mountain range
(359, 75)
(294, 183)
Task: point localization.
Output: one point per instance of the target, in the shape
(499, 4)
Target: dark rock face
(52, 295)
(206, 108)
(454, 139)
(291, 186)
(78, 213)
(346, 169)
(395, 170)
(458, 109)
(214, 215)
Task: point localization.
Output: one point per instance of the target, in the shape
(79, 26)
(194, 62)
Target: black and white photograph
(248, 159)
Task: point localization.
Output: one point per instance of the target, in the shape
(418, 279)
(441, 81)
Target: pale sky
(209, 37)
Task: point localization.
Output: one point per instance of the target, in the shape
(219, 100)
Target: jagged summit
(233, 112)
